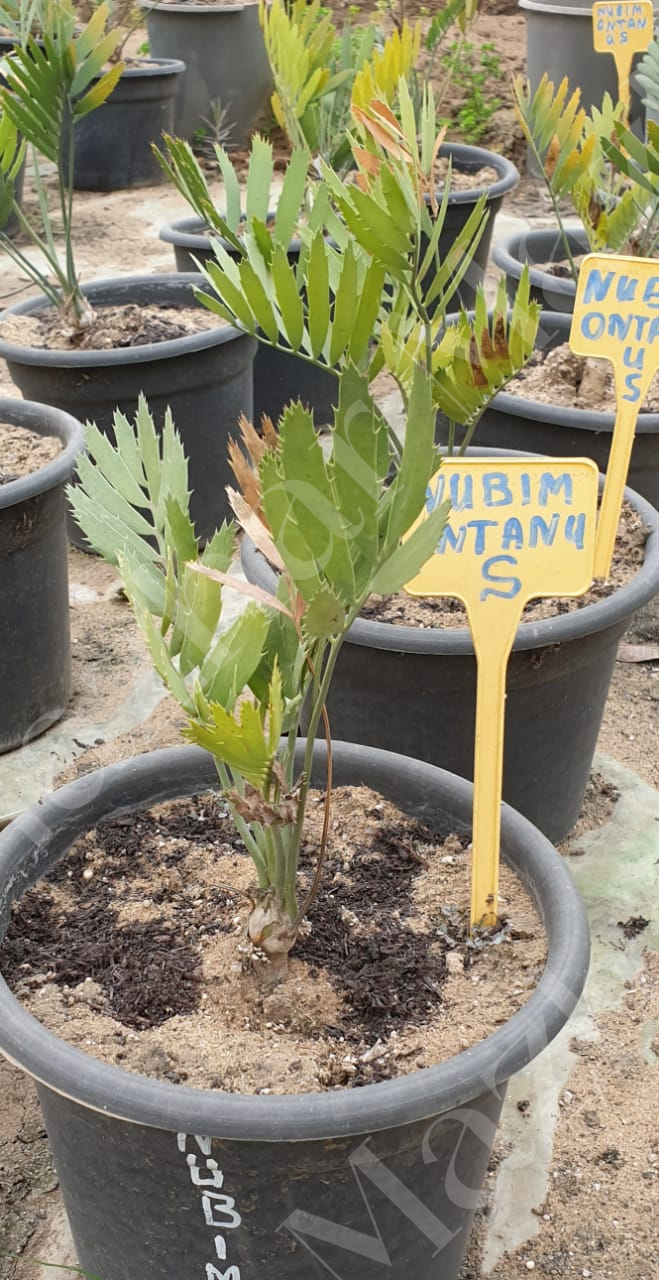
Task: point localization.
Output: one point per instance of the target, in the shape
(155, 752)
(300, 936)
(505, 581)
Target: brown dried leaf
(552, 156)
(269, 433)
(500, 340)
(486, 345)
(254, 443)
(255, 529)
(253, 807)
(367, 161)
(245, 475)
(238, 584)
(477, 373)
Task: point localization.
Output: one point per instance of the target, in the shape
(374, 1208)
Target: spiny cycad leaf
(324, 616)
(476, 357)
(409, 558)
(231, 662)
(381, 75)
(238, 741)
(648, 75)
(553, 125)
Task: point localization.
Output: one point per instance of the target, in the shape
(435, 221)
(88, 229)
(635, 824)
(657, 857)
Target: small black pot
(113, 144)
(415, 689)
(35, 646)
(205, 378)
(147, 1198)
(278, 377)
(511, 422)
(467, 159)
(553, 292)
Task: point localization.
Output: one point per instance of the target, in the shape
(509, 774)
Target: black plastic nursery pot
(113, 144)
(279, 377)
(35, 645)
(512, 422)
(163, 1182)
(554, 292)
(226, 62)
(468, 159)
(205, 378)
(413, 690)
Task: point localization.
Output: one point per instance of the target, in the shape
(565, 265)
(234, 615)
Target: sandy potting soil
(575, 382)
(134, 949)
(112, 327)
(22, 451)
(402, 610)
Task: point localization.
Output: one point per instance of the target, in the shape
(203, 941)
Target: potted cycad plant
(163, 1180)
(91, 348)
(315, 95)
(382, 250)
(611, 179)
(571, 148)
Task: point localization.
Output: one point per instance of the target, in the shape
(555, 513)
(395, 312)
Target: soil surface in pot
(574, 382)
(407, 611)
(112, 327)
(134, 949)
(464, 179)
(22, 452)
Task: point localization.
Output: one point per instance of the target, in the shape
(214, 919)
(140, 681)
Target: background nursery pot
(113, 143)
(559, 41)
(35, 649)
(140, 1189)
(205, 378)
(278, 376)
(553, 292)
(414, 689)
(468, 159)
(225, 58)
(512, 422)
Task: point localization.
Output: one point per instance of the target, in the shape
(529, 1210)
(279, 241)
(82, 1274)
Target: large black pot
(35, 646)
(205, 378)
(279, 377)
(468, 159)
(415, 689)
(113, 144)
(224, 53)
(512, 422)
(553, 292)
(367, 1183)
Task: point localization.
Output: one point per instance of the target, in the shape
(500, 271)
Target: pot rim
(467, 156)
(167, 350)
(457, 641)
(35, 417)
(181, 771)
(191, 232)
(183, 7)
(505, 249)
(148, 66)
(596, 420)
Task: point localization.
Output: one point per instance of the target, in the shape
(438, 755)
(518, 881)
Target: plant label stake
(623, 28)
(518, 529)
(616, 317)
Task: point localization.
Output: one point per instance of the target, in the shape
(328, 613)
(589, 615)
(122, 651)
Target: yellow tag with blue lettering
(623, 29)
(518, 529)
(616, 318)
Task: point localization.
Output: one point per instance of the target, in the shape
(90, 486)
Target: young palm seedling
(49, 84)
(333, 525)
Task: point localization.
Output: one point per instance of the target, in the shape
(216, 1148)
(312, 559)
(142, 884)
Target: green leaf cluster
(49, 85)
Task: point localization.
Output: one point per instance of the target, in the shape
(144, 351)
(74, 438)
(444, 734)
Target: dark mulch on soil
(149, 970)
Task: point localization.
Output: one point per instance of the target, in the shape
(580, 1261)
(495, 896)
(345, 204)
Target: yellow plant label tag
(616, 317)
(623, 29)
(518, 529)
